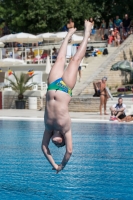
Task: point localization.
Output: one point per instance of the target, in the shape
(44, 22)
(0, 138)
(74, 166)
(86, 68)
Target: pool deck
(38, 115)
(11, 113)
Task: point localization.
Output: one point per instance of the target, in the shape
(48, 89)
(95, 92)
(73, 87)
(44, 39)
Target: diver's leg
(58, 68)
(70, 74)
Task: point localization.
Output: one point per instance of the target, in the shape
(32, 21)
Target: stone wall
(10, 97)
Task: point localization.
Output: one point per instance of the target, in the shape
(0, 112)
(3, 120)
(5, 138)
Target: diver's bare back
(56, 111)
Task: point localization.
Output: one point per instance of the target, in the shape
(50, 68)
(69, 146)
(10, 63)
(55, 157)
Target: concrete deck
(39, 115)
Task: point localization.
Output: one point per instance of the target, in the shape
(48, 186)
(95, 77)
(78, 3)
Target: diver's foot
(88, 27)
(106, 114)
(71, 31)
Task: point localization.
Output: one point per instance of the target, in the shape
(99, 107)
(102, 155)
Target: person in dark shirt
(126, 23)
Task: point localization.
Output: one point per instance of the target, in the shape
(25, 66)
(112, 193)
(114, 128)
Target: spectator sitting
(55, 53)
(118, 23)
(118, 110)
(6, 54)
(23, 54)
(44, 55)
(126, 23)
(16, 55)
(19, 45)
(112, 37)
(30, 54)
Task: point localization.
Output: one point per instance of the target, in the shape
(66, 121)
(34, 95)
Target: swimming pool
(101, 167)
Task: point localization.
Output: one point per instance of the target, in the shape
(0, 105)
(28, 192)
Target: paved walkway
(40, 114)
(32, 114)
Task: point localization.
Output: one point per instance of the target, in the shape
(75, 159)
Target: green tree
(44, 15)
(111, 8)
(38, 16)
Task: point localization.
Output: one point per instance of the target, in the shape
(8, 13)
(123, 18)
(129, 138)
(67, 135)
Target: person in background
(102, 27)
(118, 23)
(126, 23)
(131, 26)
(55, 53)
(110, 25)
(118, 110)
(31, 54)
(128, 118)
(93, 23)
(124, 35)
(5, 30)
(39, 57)
(111, 37)
(70, 24)
(44, 54)
(16, 55)
(100, 89)
(1, 28)
(6, 54)
(117, 39)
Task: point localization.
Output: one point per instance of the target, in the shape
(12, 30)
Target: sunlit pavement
(11, 113)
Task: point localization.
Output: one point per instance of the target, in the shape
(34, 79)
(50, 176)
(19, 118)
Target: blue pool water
(101, 167)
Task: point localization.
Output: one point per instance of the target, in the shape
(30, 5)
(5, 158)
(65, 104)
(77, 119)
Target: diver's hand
(58, 168)
(55, 167)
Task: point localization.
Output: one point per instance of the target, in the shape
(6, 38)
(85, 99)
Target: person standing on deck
(100, 88)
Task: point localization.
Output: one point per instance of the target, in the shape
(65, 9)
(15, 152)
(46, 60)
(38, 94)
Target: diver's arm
(45, 149)
(68, 153)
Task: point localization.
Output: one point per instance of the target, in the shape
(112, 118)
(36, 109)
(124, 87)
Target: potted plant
(20, 85)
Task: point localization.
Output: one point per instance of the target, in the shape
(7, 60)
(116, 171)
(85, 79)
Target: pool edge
(72, 119)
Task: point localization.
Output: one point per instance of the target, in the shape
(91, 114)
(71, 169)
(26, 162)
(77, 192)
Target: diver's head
(58, 139)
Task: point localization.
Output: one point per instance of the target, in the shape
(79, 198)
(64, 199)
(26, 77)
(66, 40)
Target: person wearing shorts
(118, 110)
(100, 89)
